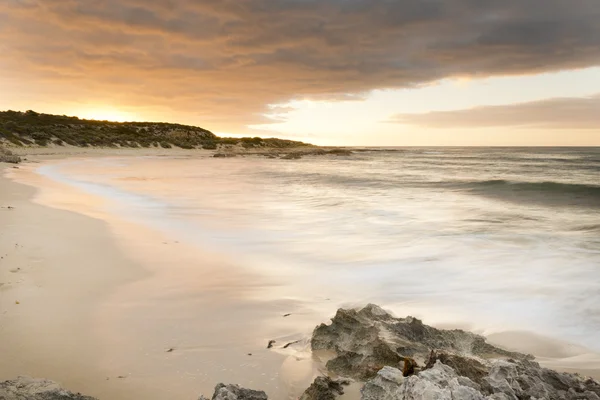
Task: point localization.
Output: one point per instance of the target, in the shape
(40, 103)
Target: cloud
(560, 113)
(225, 60)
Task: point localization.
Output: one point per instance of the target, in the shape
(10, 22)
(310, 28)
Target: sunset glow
(106, 114)
(332, 72)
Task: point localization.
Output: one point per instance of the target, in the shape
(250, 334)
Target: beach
(111, 293)
(78, 276)
(57, 266)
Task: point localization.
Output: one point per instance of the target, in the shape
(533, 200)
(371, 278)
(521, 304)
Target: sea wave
(547, 192)
(546, 186)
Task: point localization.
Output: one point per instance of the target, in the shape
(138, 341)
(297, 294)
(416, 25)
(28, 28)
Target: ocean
(489, 239)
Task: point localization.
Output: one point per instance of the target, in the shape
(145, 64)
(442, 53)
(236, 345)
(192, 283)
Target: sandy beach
(73, 285)
(56, 267)
(118, 310)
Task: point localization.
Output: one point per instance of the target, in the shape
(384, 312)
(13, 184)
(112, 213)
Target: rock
(292, 156)
(440, 382)
(384, 386)
(369, 339)
(271, 343)
(370, 344)
(507, 380)
(224, 155)
(26, 388)
(324, 388)
(340, 152)
(235, 392)
(8, 157)
(464, 366)
(525, 379)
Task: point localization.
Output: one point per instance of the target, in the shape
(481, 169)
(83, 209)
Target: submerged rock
(26, 388)
(292, 156)
(324, 388)
(340, 152)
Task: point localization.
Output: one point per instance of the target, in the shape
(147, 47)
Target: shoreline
(51, 288)
(121, 273)
(159, 293)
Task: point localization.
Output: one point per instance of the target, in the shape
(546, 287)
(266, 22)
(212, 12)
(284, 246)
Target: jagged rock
(367, 340)
(384, 386)
(507, 380)
(525, 379)
(464, 366)
(324, 388)
(235, 392)
(26, 388)
(440, 383)
(370, 343)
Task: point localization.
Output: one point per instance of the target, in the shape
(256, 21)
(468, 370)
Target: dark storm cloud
(565, 113)
(190, 55)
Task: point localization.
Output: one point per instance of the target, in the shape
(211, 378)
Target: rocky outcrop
(384, 386)
(235, 392)
(324, 388)
(26, 388)
(440, 382)
(464, 366)
(367, 340)
(507, 380)
(525, 379)
(372, 345)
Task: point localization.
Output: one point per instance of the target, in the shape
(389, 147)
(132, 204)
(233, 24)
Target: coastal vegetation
(36, 129)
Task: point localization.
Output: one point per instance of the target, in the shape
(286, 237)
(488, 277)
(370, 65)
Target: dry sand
(100, 298)
(56, 267)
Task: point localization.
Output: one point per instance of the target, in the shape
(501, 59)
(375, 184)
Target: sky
(331, 72)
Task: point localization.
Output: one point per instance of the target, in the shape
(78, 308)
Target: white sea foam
(424, 233)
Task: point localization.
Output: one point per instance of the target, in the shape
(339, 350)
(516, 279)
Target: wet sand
(101, 298)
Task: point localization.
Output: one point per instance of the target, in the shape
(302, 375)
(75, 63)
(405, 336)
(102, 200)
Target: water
(491, 238)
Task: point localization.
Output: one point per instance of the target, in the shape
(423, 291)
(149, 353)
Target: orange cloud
(224, 61)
